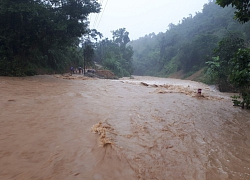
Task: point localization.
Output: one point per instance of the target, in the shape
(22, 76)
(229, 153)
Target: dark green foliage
(242, 12)
(222, 65)
(88, 53)
(212, 70)
(236, 100)
(147, 54)
(240, 74)
(212, 40)
(195, 53)
(231, 68)
(41, 34)
(188, 45)
(114, 54)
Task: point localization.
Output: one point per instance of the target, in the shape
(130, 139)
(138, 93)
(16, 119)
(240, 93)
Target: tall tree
(115, 54)
(40, 33)
(240, 74)
(88, 53)
(120, 37)
(222, 65)
(187, 45)
(243, 8)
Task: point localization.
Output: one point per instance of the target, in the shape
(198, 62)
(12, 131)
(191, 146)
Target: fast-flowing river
(143, 128)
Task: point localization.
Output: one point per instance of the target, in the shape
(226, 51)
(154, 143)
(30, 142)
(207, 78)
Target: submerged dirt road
(53, 128)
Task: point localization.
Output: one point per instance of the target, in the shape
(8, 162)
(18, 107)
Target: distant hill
(188, 45)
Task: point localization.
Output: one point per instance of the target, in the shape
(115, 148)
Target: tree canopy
(115, 54)
(212, 41)
(41, 34)
(243, 8)
(188, 45)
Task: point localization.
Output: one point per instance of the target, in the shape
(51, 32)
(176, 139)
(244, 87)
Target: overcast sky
(141, 17)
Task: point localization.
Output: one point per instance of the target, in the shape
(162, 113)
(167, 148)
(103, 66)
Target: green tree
(222, 64)
(186, 46)
(39, 34)
(88, 53)
(121, 37)
(240, 74)
(115, 54)
(242, 13)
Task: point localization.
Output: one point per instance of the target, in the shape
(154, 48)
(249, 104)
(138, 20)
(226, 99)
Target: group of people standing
(76, 70)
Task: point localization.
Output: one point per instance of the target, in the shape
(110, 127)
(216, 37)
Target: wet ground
(141, 128)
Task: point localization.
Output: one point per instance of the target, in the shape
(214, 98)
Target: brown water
(54, 128)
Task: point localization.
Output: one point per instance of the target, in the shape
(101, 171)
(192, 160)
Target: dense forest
(214, 42)
(43, 35)
(50, 36)
(188, 45)
(115, 54)
(37, 36)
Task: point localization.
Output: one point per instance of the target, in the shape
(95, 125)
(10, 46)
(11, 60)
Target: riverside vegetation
(50, 36)
(212, 41)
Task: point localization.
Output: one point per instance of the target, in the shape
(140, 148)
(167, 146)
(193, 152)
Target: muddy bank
(54, 128)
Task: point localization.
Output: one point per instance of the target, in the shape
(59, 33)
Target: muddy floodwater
(130, 129)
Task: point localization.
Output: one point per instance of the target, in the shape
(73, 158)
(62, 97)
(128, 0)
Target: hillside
(188, 45)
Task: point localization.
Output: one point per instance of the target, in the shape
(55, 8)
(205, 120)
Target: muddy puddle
(54, 127)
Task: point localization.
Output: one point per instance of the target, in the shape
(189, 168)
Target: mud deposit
(144, 128)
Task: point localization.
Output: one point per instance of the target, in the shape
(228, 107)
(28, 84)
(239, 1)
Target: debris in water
(101, 130)
(12, 100)
(143, 83)
(154, 85)
(70, 77)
